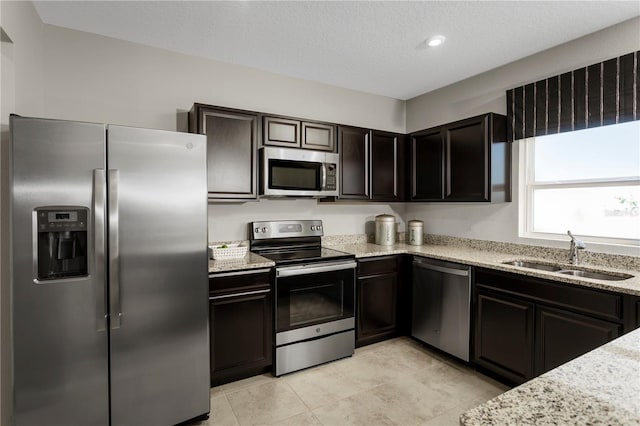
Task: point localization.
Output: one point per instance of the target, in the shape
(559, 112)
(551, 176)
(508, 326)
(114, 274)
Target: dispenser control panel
(62, 242)
(62, 220)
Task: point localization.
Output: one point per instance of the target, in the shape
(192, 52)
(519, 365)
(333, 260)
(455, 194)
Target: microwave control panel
(331, 177)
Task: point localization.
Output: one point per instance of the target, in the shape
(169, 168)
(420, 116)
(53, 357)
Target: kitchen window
(586, 181)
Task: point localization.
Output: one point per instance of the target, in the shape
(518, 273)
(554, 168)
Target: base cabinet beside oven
(241, 324)
(378, 294)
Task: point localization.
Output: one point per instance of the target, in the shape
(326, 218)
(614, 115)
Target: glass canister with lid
(385, 230)
(416, 232)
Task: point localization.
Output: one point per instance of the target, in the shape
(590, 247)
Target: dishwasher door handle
(460, 272)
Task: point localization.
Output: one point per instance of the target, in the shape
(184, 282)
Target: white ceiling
(371, 46)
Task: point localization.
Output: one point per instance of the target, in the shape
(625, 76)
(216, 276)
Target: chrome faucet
(574, 246)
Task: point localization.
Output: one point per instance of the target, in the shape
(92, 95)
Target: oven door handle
(313, 269)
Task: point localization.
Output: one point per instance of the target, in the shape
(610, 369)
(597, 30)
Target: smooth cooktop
(303, 255)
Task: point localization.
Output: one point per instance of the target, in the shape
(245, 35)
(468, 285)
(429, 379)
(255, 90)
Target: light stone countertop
(494, 260)
(487, 255)
(600, 387)
(249, 261)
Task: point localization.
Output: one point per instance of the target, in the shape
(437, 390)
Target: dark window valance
(597, 95)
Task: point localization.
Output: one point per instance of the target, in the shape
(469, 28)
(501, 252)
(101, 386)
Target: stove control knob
(319, 228)
(313, 228)
(264, 229)
(257, 230)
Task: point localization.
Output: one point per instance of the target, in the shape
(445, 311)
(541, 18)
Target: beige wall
(485, 93)
(96, 78)
(21, 86)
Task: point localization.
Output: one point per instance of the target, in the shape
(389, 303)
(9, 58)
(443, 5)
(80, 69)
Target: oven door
(312, 294)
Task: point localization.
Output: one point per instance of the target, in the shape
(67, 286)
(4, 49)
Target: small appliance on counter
(416, 232)
(385, 230)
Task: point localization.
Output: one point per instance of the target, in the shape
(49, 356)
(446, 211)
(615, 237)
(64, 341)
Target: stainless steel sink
(533, 265)
(595, 275)
(565, 271)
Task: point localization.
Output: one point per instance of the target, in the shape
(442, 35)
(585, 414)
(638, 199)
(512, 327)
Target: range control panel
(286, 229)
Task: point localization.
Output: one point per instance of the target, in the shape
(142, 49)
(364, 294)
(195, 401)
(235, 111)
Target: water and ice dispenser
(62, 242)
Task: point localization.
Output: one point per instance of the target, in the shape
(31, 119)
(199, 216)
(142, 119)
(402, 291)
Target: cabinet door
(231, 153)
(281, 132)
(504, 336)
(427, 166)
(562, 336)
(318, 136)
(241, 336)
(467, 161)
(353, 144)
(376, 315)
(385, 179)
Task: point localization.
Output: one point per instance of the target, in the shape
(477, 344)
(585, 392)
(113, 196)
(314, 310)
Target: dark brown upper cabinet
(292, 133)
(387, 165)
(370, 164)
(281, 132)
(427, 166)
(469, 160)
(232, 139)
(353, 148)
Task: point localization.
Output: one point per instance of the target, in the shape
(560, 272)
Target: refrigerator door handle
(99, 202)
(114, 252)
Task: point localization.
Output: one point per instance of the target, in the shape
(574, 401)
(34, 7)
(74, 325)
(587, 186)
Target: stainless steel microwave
(291, 172)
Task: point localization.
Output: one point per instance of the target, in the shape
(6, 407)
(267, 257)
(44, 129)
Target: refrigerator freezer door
(159, 294)
(60, 364)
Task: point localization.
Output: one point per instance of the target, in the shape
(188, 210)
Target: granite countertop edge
(495, 260)
(468, 256)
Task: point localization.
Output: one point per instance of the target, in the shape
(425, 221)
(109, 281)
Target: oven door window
(306, 300)
(301, 175)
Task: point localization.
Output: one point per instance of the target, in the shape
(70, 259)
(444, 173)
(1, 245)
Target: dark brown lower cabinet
(527, 326)
(562, 336)
(504, 336)
(241, 326)
(377, 300)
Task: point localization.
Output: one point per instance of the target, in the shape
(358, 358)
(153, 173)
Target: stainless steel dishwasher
(441, 305)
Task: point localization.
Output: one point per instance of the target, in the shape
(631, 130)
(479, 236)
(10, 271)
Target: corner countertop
(495, 260)
(599, 387)
(485, 258)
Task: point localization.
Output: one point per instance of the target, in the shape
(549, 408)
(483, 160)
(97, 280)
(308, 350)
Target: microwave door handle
(323, 185)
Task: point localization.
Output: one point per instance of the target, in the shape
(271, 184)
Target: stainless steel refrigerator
(108, 274)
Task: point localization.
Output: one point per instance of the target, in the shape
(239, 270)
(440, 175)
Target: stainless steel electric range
(315, 293)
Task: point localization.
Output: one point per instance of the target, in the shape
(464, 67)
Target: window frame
(527, 186)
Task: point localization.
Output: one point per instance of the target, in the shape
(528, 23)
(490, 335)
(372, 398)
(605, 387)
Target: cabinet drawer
(592, 302)
(238, 282)
(377, 265)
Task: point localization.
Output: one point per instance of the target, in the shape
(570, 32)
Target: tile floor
(395, 382)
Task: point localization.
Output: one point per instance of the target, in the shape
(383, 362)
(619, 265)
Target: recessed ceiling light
(436, 40)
